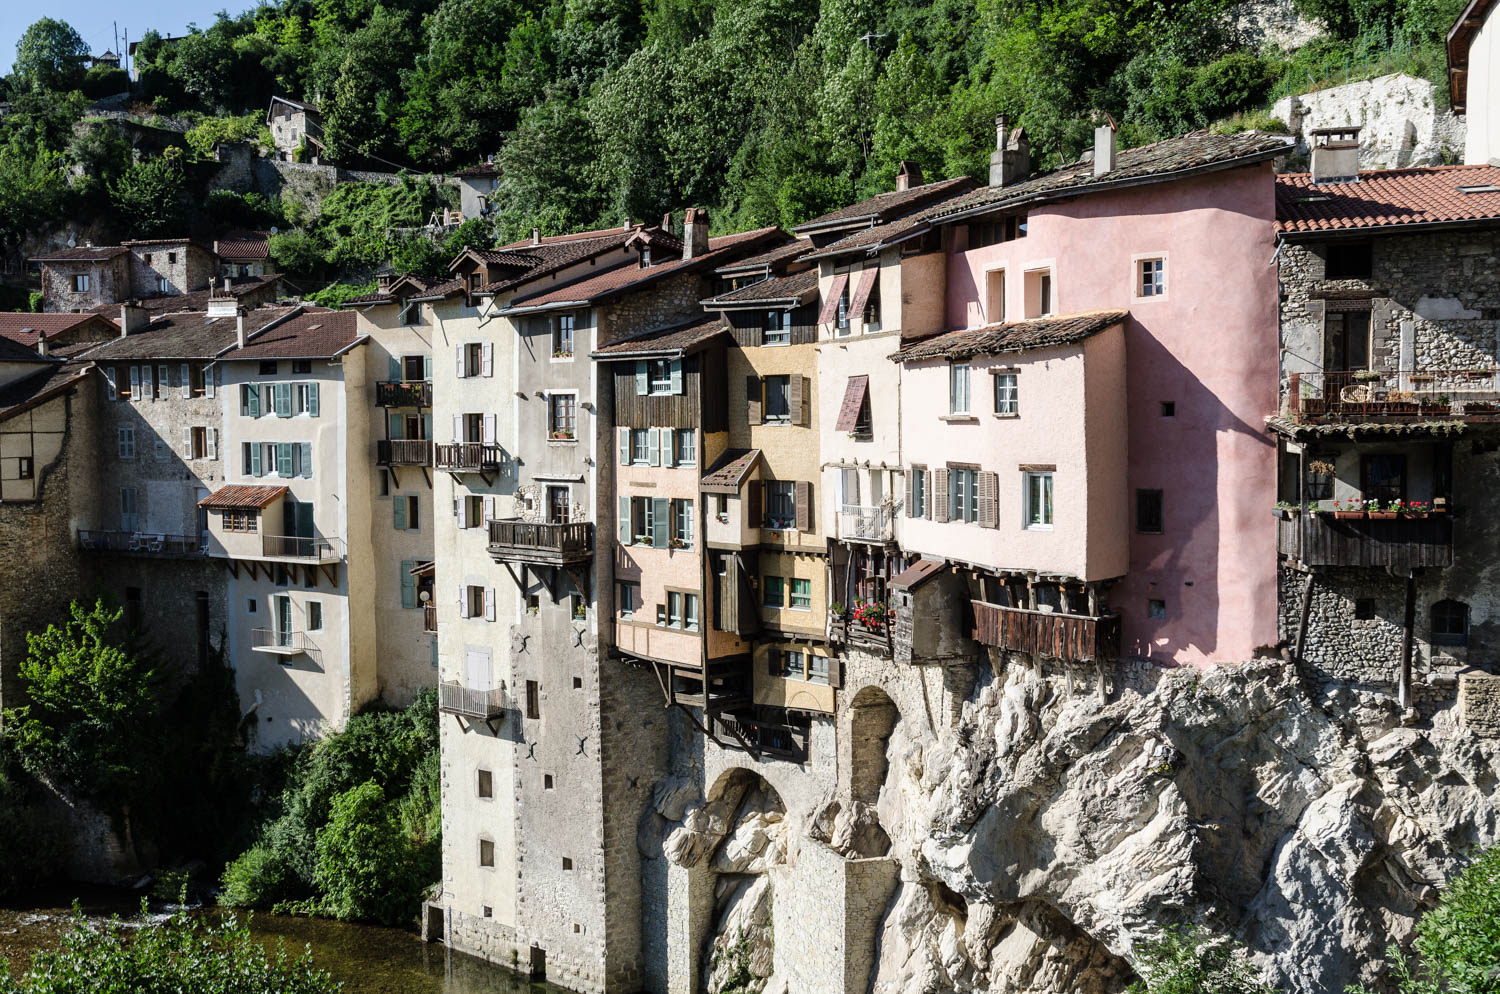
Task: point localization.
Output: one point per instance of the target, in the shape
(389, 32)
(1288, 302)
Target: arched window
(1450, 623)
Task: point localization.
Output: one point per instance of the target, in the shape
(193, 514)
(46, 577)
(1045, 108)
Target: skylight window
(1487, 188)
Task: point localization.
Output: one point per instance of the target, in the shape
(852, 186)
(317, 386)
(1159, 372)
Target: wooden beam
(520, 584)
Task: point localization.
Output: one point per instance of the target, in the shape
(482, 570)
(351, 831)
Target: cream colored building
(1474, 79)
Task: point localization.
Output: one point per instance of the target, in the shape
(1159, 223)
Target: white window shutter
(109, 383)
(458, 427)
(463, 602)
(187, 443)
(213, 443)
(210, 380)
(653, 447)
(489, 429)
(489, 508)
(187, 381)
(487, 358)
(463, 512)
(489, 603)
(460, 353)
(135, 384)
(668, 456)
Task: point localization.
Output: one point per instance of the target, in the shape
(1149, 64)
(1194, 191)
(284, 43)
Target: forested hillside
(765, 111)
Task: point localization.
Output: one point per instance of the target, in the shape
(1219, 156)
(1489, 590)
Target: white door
(477, 669)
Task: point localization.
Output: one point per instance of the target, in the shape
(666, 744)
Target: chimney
(627, 225)
(41, 343)
(908, 175)
(694, 232)
(239, 328)
(1104, 148)
(666, 222)
(383, 281)
(1335, 154)
(1011, 160)
(133, 317)
(536, 236)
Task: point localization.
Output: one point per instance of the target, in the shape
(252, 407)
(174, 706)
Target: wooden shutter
(459, 352)
(307, 459)
(795, 391)
(653, 447)
(487, 359)
(835, 672)
(753, 400)
(989, 500)
(624, 434)
(313, 405)
(641, 386)
(668, 456)
(676, 371)
(910, 486)
(398, 514)
(210, 380)
(187, 381)
(461, 511)
(626, 526)
(187, 443)
(489, 603)
(488, 506)
(284, 459)
(939, 494)
(749, 614)
(213, 443)
(831, 302)
(135, 383)
(283, 394)
(463, 601)
(427, 368)
(163, 382)
(803, 490)
(728, 618)
(109, 383)
(661, 522)
(427, 426)
(408, 584)
(489, 429)
(754, 495)
(255, 464)
(252, 398)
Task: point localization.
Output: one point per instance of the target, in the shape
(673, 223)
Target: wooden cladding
(1399, 543)
(666, 410)
(1075, 638)
(749, 327)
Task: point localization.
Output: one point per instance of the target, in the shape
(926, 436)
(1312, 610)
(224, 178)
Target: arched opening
(739, 951)
(873, 716)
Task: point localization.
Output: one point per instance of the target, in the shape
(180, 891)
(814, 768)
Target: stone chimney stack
(666, 222)
(1104, 149)
(694, 233)
(41, 343)
(1335, 154)
(908, 175)
(239, 328)
(1010, 162)
(133, 317)
(536, 236)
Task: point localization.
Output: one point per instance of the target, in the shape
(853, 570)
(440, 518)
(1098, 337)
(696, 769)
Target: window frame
(556, 430)
(776, 492)
(1447, 637)
(780, 380)
(1142, 496)
(1145, 286)
(1048, 502)
(768, 583)
(564, 331)
(960, 381)
(799, 593)
(1006, 387)
(776, 328)
(963, 493)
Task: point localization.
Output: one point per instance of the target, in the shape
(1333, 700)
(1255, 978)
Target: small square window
(269, 367)
(1151, 278)
(567, 863)
(1169, 409)
(533, 604)
(302, 366)
(250, 606)
(486, 852)
(546, 781)
(533, 699)
(1148, 512)
(578, 683)
(1156, 609)
(1364, 609)
(487, 911)
(486, 784)
(315, 616)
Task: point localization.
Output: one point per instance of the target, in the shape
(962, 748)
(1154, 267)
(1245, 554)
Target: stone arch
(872, 719)
(739, 940)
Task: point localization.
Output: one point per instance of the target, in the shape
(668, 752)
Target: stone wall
(673, 299)
(1398, 115)
(1479, 702)
(185, 267)
(109, 283)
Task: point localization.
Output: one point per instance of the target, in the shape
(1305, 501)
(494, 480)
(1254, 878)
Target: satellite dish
(72, 241)
(274, 231)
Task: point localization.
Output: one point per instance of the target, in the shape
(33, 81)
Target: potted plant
(1349, 509)
(1285, 509)
(836, 609)
(1414, 509)
(1365, 376)
(1383, 512)
(1320, 479)
(676, 543)
(562, 436)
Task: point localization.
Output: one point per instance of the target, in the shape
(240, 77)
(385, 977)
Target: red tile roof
(186, 335)
(311, 334)
(572, 237)
(83, 253)
(239, 245)
(532, 262)
(769, 259)
(1016, 336)
(23, 327)
(729, 471)
(238, 496)
(1389, 198)
(675, 339)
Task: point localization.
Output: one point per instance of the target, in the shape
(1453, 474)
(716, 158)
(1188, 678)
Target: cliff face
(1046, 838)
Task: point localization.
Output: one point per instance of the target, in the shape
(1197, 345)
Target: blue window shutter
(312, 399)
(395, 368)
(627, 532)
(252, 397)
(676, 369)
(255, 469)
(399, 511)
(427, 426)
(282, 394)
(653, 447)
(661, 510)
(398, 425)
(284, 459)
(307, 459)
(640, 378)
(408, 584)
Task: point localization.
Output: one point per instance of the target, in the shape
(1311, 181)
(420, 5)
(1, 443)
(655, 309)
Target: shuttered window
(408, 584)
(989, 500)
(963, 494)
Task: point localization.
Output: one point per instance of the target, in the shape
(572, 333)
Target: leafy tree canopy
(50, 56)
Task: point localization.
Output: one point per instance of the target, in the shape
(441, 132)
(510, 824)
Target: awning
(835, 294)
(854, 401)
(862, 292)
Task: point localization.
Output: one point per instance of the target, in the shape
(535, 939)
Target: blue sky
(95, 19)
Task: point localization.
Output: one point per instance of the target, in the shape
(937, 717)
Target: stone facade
(161, 268)
(109, 282)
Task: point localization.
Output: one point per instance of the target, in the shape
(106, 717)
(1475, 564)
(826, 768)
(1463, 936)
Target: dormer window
(646, 257)
(474, 282)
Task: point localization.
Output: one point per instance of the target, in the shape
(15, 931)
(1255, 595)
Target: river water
(368, 959)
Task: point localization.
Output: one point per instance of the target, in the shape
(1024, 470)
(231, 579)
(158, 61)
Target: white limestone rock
(1398, 116)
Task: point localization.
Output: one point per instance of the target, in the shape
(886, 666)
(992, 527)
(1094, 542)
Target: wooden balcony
(470, 702)
(469, 457)
(429, 619)
(726, 686)
(130, 543)
(768, 738)
(861, 635)
(394, 393)
(403, 452)
(542, 543)
(1400, 543)
(1074, 638)
(313, 550)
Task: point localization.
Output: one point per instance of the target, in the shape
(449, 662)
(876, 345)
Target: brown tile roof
(677, 339)
(186, 335)
(83, 253)
(41, 386)
(144, 242)
(1460, 38)
(778, 289)
(195, 300)
(23, 327)
(729, 471)
(918, 573)
(310, 334)
(243, 245)
(884, 206)
(1016, 336)
(238, 496)
(1196, 152)
(879, 236)
(402, 287)
(628, 276)
(855, 391)
(438, 291)
(771, 259)
(573, 236)
(1388, 198)
(13, 351)
(535, 261)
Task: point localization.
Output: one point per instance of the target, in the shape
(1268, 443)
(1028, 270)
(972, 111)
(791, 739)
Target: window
(1450, 623)
(685, 447)
(577, 610)
(473, 354)
(567, 863)
(25, 468)
(801, 594)
(1151, 278)
(126, 440)
(81, 283)
(918, 476)
(171, 258)
(486, 852)
(559, 505)
(1156, 610)
(533, 699)
(849, 486)
(485, 786)
(1364, 609)
(778, 329)
(682, 524)
(778, 400)
(817, 668)
(163, 285)
(787, 663)
(629, 598)
(1169, 409)
(560, 415)
(476, 280)
(415, 368)
(304, 399)
(871, 316)
(1039, 293)
(129, 515)
(775, 591)
(250, 606)
(1038, 500)
(994, 296)
(301, 366)
(963, 494)
(690, 612)
(269, 367)
(781, 504)
(474, 601)
(1383, 476)
(1148, 512)
(407, 517)
(660, 378)
(1007, 395)
(681, 610)
(1350, 261)
(1347, 338)
(640, 446)
(240, 521)
(958, 388)
(383, 482)
(547, 783)
(562, 337)
(315, 616)
(843, 314)
(643, 519)
(472, 508)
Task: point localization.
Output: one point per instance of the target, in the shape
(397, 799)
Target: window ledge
(1008, 417)
(959, 419)
(562, 441)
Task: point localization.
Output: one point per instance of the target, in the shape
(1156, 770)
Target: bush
(335, 294)
(179, 954)
(364, 871)
(105, 81)
(298, 252)
(150, 196)
(259, 878)
(1190, 960)
(210, 131)
(243, 210)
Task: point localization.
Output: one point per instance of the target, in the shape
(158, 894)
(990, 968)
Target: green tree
(33, 191)
(105, 81)
(364, 85)
(362, 867)
(50, 56)
(1189, 960)
(150, 195)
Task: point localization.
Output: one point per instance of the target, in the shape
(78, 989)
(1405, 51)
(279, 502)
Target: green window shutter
(668, 457)
(408, 584)
(398, 509)
(640, 378)
(398, 425)
(624, 434)
(395, 373)
(627, 532)
(653, 447)
(252, 397)
(307, 459)
(661, 521)
(676, 368)
(434, 653)
(255, 459)
(312, 399)
(282, 397)
(284, 459)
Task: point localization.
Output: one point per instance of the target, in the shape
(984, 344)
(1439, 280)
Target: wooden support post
(1403, 687)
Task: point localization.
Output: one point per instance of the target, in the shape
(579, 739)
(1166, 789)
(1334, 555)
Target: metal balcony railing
(469, 457)
(282, 643)
(142, 543)
(319, 550)
(396, 393)
(1074, 638)
(1395, 393)
(536, 541)
(470, 702)
(403, 452)
(867, 523)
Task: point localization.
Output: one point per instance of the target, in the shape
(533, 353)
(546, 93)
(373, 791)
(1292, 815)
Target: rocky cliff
(1043, 838)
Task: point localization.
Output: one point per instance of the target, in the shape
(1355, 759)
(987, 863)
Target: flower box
(1381, 515)
(1348, 515)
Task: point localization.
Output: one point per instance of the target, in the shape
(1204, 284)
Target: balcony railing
(867, 523)
(539, 542)
(394, 393)
(1075, 638)
(469, 457)
(1395, 394)
(1400, 543)
(403, 452)
(142, 543)
(282, 643)
(874, 637)
(470, 702)
(429, 619)
(319, 550)
(773, 738)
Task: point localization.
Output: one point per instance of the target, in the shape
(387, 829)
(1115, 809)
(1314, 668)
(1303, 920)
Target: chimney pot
(666, 222)
(627, 226)
(239, 328)
(1335, 154)
(133, 317)
(41, 343)
(1104, 149)
(1011, 160)
(536, 236)
(908, 175)
(694, 232)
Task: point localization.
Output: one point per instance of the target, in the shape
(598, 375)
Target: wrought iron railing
(276, 640)
(142, 543)
(299, 547)
(1070, 637)
(1395, 393)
